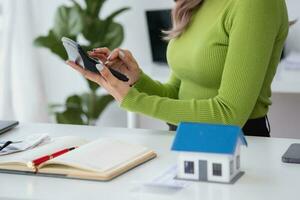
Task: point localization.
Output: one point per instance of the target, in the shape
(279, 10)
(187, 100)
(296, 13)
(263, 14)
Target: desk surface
(266, 176)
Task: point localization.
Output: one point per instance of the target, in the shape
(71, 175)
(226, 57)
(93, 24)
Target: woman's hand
(120, 60)
(118, 89)
(100, 53)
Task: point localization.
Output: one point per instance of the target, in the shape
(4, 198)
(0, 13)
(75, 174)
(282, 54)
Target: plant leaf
(94, 104)
(117, 12)
(53, 43)
(70, 116)
(104, 33)
(101, 103)
(73, 113)
(93, 86)
(77, 5)
(114, 36)
(88, 102)
(68, 21)
(95, 31)
(74, 100)
(93, 7)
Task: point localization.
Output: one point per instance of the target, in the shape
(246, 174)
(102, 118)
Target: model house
(208, 152)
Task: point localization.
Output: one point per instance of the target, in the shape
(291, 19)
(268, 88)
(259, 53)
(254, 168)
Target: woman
(223, 56)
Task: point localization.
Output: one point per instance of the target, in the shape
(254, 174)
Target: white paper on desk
(29, 142)
(167, 179)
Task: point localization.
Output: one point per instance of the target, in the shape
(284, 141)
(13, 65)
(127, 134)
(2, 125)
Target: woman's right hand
(120, 60)
(100, 53)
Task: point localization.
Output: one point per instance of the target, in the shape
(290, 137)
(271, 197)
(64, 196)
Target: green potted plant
(82, 21)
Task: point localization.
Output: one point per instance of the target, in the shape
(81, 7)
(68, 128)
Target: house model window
(231, 167)
(189, 167)
(238, 162)
(208, 152)
(217, 169)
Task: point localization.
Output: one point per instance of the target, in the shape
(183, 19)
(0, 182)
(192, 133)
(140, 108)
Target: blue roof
(207, 138)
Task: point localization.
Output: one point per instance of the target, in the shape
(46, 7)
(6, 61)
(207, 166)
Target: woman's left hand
(118, 89)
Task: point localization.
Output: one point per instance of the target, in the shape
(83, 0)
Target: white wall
(293, 39)
(284, 115)
(62, 81)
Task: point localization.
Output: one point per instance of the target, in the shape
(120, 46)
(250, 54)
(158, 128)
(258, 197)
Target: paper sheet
(29, 142)
(167, 179)
(104, 154)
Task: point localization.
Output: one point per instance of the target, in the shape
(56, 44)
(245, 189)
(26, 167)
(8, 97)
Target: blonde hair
(181, 17)
(291, 23)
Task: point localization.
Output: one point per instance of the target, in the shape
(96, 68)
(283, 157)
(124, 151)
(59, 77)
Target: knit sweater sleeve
(254, 27)
(152, 87)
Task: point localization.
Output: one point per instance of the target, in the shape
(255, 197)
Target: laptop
(7, 125)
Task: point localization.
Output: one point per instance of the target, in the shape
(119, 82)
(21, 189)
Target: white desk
(266, 177)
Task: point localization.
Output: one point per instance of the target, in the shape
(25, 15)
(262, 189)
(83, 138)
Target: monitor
(158, 20)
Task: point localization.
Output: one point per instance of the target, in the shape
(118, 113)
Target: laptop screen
(7, 125)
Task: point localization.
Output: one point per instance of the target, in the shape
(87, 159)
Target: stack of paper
(168, 179)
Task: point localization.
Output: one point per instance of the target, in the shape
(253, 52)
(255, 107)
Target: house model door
(203, 170)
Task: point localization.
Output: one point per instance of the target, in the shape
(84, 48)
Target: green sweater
(222, 66)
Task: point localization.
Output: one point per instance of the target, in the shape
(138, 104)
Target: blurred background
(37, 86)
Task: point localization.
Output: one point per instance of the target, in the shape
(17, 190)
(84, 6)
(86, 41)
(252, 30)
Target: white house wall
(210, 158)
(187, 157)
(225, 169)
(237, 152)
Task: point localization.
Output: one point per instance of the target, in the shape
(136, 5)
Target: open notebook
(102, 159)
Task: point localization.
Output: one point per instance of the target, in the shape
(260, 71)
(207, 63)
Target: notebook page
(54, 145)
(101, 155)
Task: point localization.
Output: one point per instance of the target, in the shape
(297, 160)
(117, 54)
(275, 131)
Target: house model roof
(208, 138)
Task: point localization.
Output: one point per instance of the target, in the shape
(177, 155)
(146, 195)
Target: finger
(127, 57)
(100, 53)
(120, 67)
(95, 78)
(87, 74)
(97, 53)
(114, 54)
(114, 64)
(124, 55)
(103, 50)
(99, 56)
(76, 67)
(109, 77)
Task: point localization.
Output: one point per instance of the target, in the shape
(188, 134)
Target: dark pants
(253, 127)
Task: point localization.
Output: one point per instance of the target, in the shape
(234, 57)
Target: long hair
(181, 17)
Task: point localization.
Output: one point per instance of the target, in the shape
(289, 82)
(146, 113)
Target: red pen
(38, 161)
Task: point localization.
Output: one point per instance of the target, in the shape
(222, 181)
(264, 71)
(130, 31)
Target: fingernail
(121, 54)
(99, 67)
(108, 58)
(102, 72)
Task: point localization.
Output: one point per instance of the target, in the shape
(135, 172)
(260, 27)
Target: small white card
(167, 179)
